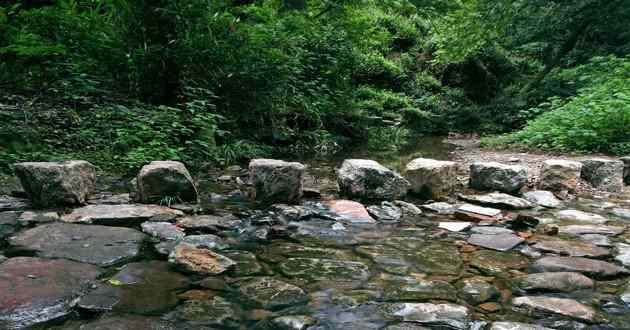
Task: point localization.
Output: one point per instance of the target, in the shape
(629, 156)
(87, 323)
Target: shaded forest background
(123, 82)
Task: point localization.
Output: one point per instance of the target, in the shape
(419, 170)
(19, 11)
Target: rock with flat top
(543, 198)
(116, 215)
(160, 180)
(367, 179)
(499, 242)
(559, 306)
(430, 178)
(468, 212)
(497, 176)
(571, 248)
(498, 200)
(50, 184)
(559, 175)
(553, 282)
(276, 181)
(447, 316)
(580, 216)
(593, 268)
(516, 326)
(603, 174)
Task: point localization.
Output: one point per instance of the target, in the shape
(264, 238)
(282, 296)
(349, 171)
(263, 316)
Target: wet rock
(603, 174)
(497, 176)
(210, 223)
(367, 179)
(577, 230)
(107, 198)
(498, 200)
(245, 263)
(288, 212)
(117, 215)
(599, 240)
(292, 322)
(342, 210)
(543, 198)
(468, 212)
(120, 322)
(276, 181)
(559, 175)
(8, 223)
(623, 253)
(495, 263)
(98, 245)
(163, 231)
(215, 312)
(571, 248)
(198, 260)
(386, 212)
(449, 316)
(592, 268)
(626, 170)
(440, 208)
(455, 226)
(439, 258)
(52, 184)
(272, 294)
(161, 180)
(499, 242)
(516, 326)
(313, 269)
(430, 178)
(406, 326)
(476, 291)
(280, 251)
(621, 213)
(34, 290)
(490, 230)
(207, 241)
(410, 288)
(8, 203)
(389, 258)
(29, 218)
(560, 306)
(408, 210)
(579, 216)
(554, 282)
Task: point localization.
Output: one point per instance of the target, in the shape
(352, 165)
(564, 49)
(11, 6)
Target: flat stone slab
(554, 282)
(561, 306)
(98, 245)
(543, 198)
(9, 203)
(34, 290)
(272, 294)
(572, 248)
(123, 214)
(516, 326)
(590, 229)
(210, 223)
(455, 226)
(499, 242)
(448, 316)
(163, 231)
(498, 200)
(367, 179)
(592, 268)
(469, 212)
(439, 208)
(580, 216)
(36, 217)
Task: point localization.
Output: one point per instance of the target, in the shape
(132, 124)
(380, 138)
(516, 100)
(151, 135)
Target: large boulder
(497, 176)
(52, 184)
(276, 181)
(165, 179)
(603, 174)
(367, 179)
(433, 179)
(626, 170)
(559, 175)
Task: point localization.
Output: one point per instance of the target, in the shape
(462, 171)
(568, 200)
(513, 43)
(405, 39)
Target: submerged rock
(198, 260)
(52, 184)
(561, 306)
(410, 288)
(497, 176)
(449, 316)
(276, 181)
(433, 179)
(386, 212)
(571, 248)
(498, 200)
(98, 245)
(271, 294)
(554, 282)
(367, 179)
(593, 268)
(560, 175)
(439, 258)
(34, 290)
(499, 242)
(313, 269)
(160, 180)
(516, 326)
(214, 312)
(119, 215)
(495, 263)
(603, 174)
(543, 198)
(468, 212)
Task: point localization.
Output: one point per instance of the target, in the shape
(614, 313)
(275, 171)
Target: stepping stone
(577, 230)
(499, 242)
(560, 306)
(516, 326)
(272, 294)
(554, 282)
(603, 174)
(165, 180)
(543, 198)
(246, 263)
(119, 215)
(207, 241)
(34, 290)
(430, 178)
(367, 179)
(51, 184)
(313, 269)
(468, 212)
(455, 226)
(449, 316)
(497, 176)
(163, 231)
(498, 200)
(593, 268)
(571, 248)
(440, 208)
(410, 288)
(210, 223)
(437, 258)
(98, 245)
(623, 253)
(560, 175)
(276, 181)
(579, 216)
(192, 259)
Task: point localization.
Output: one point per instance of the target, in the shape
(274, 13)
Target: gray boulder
(433, 179)
(165, 179)
(367, 179)
(497, 176)
(603, 174)
(276, 181)
(559, 175)
(53, 184)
